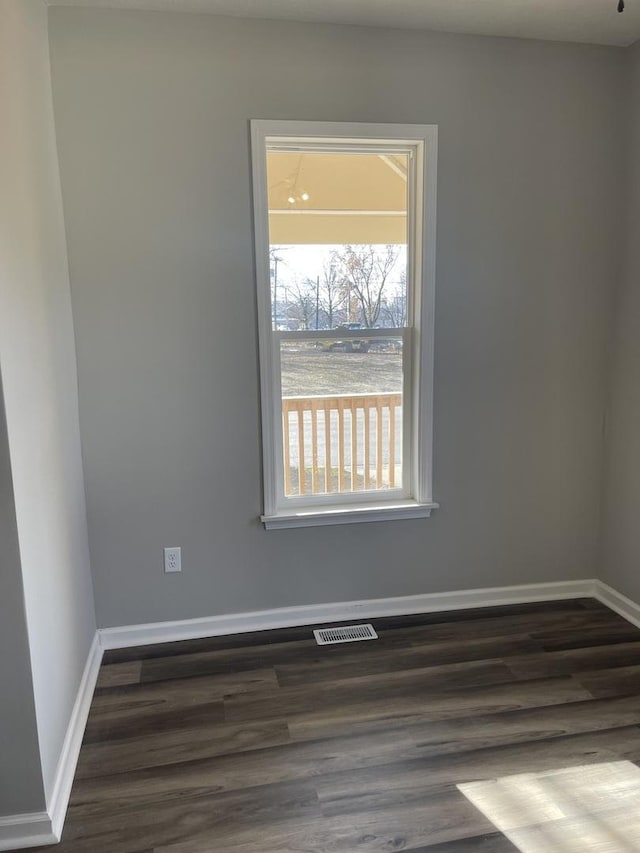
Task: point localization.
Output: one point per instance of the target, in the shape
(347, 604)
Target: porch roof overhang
(336, 198)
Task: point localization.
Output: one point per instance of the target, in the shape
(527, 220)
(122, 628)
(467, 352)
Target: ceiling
(336, 198)
(591, 21)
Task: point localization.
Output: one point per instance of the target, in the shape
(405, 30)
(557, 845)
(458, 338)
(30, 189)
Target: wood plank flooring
(265, 742)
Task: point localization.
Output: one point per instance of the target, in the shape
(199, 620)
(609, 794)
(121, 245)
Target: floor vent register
(345, 634)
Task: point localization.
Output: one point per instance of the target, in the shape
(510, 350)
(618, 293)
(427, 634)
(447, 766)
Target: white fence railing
(342, 443)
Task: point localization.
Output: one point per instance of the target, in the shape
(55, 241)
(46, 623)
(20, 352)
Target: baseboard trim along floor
(370, 746)
(73, 740)
(41, 828)
(617, 602)
(26, 830)
(314, 614)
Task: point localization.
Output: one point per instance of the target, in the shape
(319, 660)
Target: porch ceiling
(323, 198)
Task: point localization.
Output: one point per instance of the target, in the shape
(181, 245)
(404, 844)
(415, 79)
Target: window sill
(320, 516)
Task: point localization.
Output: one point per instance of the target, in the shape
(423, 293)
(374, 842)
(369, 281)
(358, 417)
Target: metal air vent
(346, 634)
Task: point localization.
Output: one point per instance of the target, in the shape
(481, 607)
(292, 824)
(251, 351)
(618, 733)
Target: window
(345, 262)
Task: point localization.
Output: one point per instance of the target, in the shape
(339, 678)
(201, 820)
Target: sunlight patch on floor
(589, 809)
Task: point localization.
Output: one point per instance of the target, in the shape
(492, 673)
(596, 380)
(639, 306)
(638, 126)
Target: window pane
(342, 414)
(337, 239)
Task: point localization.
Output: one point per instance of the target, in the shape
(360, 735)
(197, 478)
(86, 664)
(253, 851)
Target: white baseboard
(618, 602)
(26, 830)
(41, 828)
(313, 614)
(59, 800)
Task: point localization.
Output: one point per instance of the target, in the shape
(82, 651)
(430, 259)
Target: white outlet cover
(172, 560)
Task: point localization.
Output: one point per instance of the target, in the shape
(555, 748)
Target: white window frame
(414, 499)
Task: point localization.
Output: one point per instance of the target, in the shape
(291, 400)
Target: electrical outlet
(172, 560)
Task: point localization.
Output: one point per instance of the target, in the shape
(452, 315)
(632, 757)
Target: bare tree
(394, 306)
(364, 271)
(302, 302)
(331, 292)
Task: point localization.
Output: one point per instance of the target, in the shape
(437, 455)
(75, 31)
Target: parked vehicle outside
(358, 344)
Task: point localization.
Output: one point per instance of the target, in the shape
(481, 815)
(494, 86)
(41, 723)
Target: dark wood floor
(266, 742)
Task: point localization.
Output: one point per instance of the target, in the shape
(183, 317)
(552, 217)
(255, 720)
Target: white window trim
(357, 507)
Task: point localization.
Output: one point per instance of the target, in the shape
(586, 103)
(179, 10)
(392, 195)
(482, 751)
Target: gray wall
(20, 775)
(621, 551)
(152, 118)
(37, 360)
